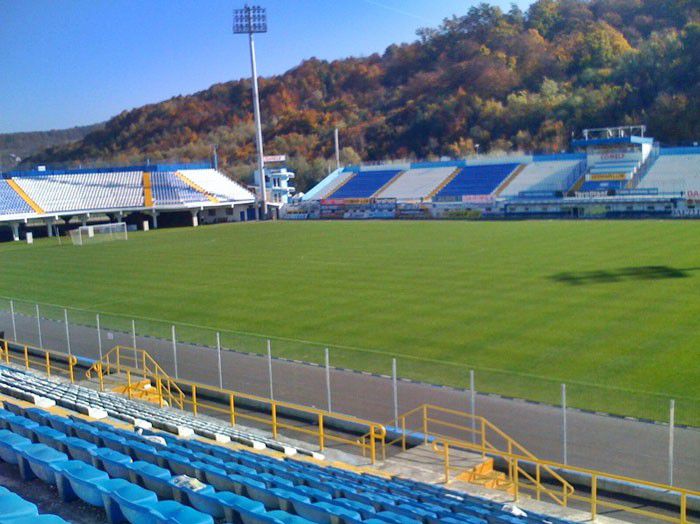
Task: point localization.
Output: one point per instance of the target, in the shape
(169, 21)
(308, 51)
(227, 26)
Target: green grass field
(610, 308)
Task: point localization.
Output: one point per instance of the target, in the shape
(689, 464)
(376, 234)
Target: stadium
(494, 338)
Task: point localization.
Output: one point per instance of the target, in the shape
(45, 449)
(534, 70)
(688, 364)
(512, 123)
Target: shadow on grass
(608, 276)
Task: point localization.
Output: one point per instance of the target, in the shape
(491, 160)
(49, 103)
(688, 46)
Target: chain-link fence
(570, 423)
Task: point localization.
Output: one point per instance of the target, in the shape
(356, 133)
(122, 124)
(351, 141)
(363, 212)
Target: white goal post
(98, 233)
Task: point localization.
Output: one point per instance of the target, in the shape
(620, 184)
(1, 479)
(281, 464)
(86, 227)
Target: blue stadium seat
(365, 183)
(476, 180)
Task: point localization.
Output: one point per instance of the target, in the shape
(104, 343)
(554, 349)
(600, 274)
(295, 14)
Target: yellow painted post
(7, 353)
(48, 364)
(483, 438)
(100, 376)
(403, 431)
(143, 364)
(321, 435)
(159, 385)
(425, 424)
(594, 496)
(26, 357)
(539, 483)
(510, 464)
(128, 383)
(446, 451)
(71, 363)
(517, 487)
(232, 409)
(373, 445)
(194, 400)
(119, 363)
(684, 508)
(274, 419)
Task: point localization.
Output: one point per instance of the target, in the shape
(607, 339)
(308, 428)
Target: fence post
(218, 354)
(563, 424)
(38, 324)
(269, 368)
(328, 381)
(14, 326)
(472, 402)
(174, 350)
(395, 391)
(99, 335)
(65, 319)
(133, 343)
(671, 428)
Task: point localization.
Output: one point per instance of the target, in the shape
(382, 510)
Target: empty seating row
(15, 510)
(81, 399)
(216, 184)
(84, 191)
(477, 180)
(10, 201)
(542, 176)
(673, 174)
(365, 183)
(415, 184)
(168, 189)
(237, 485)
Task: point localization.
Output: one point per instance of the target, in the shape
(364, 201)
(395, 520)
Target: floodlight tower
(251, 20)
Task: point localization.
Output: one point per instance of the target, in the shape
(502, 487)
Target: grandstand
(543, 175)
(417, 183)
(365, 184)
(677, 170)
(614, 172)
(476, 180)
(163, 476)
(158, 459)
(44, 197)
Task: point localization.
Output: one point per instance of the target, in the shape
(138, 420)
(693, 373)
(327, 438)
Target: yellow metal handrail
(444, 446)
(52, 362)
(137, 362)
(192, 396)
(478, 428)
(48, 361)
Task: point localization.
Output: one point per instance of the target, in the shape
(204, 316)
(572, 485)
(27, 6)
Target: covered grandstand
(48, 197)
(615, 172)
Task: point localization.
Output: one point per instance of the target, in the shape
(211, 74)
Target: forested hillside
(14, 147)
(503, 80)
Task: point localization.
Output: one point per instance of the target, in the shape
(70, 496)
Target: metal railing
(526, 473)
(52, 363)
(134, 362)
(200, 399)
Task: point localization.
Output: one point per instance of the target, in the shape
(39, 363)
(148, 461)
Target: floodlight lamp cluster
(250, 19)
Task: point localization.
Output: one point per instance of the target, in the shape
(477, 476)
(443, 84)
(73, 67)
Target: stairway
(378, 192)
(196, 187)
(484, 475)
(509, 179)
(442, 185)
(577, 185)
(422, 463)
(35, 207)
(147, 190)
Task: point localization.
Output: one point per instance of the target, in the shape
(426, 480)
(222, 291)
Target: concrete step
(424, 464)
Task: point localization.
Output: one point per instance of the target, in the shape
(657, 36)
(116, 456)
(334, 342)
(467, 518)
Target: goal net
(99, 233)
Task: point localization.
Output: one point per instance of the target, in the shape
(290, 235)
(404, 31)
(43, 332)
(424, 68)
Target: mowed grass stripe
(570, 301)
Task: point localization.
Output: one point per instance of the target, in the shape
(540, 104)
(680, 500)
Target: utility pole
(253, 20)
(337, 149)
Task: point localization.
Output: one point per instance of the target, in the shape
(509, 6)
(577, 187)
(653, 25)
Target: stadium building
(612, 173)
(184, 192)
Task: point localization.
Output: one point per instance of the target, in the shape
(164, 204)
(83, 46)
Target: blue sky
(74, 62)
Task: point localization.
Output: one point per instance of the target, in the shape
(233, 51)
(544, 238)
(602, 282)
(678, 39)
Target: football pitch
(610, 308)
